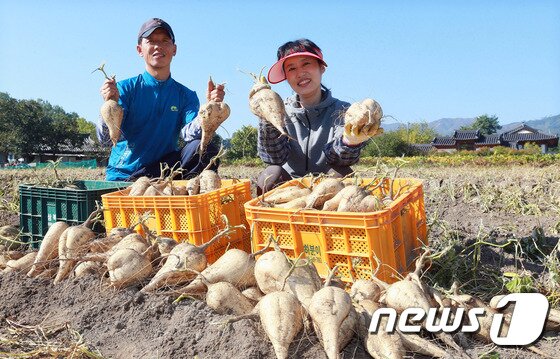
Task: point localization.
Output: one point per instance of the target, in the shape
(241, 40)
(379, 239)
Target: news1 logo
(524, 327)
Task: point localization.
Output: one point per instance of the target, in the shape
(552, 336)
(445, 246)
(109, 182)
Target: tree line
(36, 127)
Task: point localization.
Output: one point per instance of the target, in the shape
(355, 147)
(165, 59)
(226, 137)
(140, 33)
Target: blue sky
(421, 60)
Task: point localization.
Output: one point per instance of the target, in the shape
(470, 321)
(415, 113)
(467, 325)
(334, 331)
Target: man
(157, 109)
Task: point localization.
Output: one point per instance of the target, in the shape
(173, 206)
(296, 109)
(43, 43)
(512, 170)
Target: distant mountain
(446, 126)
(443, 126)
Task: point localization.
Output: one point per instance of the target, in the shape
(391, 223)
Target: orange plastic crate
(195, 219)
(347, 239)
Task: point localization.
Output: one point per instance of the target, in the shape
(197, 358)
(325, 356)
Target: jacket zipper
(307, 146)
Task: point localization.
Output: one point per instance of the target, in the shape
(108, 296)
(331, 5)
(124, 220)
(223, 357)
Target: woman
(317, 142)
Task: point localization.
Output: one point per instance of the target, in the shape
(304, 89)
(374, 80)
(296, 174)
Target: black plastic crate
(39, 207)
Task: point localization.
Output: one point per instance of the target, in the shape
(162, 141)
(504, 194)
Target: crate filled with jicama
(355, 224)
(184, 210)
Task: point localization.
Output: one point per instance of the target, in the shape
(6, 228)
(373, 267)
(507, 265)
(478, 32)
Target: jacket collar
(326, 101)
(150, 80)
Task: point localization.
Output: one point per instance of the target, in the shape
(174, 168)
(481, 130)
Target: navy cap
(149, 26)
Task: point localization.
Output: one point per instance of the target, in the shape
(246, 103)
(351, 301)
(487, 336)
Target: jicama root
(211, 115)
(329, 307)
(254, 294)
(183, 261)
(139, 187)
(72, 245)
(209, 181)
(267, 104)
(322, 192)
(363, 118)
(234, 266)
(281, 316)
(224, 297)
(285, 195)
(365, 289)
(128, 267)
(48, 249)
(22, 264)
(112, 113)
(271, 269)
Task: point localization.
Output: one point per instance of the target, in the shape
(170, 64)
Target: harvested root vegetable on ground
(346, 332)
(271, 270)
(323, 191)
(281, 316)
(303, 281)
(128, 267)
(166, 245)
(365, 289)
(48, 249)
(183, 261)
(382, 344)
(112, 113)
(267, 104)
(209, 181)
(22, 264)
(139, 187)
(234, 266)
(210, 116)
(254, 294)
(328, 308)
(88, 268)
(72, 244)
(410, 293)
(224, 298)
(363, 118)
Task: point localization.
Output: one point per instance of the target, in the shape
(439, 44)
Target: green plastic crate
(42, 206)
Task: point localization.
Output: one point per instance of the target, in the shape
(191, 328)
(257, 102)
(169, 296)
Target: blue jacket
(155, 113)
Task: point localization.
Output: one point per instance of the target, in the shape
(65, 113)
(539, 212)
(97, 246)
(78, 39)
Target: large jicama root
(267, 104)
(281, 316)
(286, 194)
(88, 268)
(363, 289)
(112, 113)
(383, 344)
(322, 192)
(48, 249)
(271, 270)
(224, 297)
(234, 266)
(329, 307)
(410, 293)
(182, 260)
(209, 181)
(352, 200)
(128, 267)
(303, 281)
(139, 187)
(72, 245)
(211, 115)
(22, 264)
(363, 118)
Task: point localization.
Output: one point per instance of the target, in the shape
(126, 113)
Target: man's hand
(109, 90)
(215, 92)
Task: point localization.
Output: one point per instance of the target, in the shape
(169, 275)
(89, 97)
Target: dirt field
(483, 222)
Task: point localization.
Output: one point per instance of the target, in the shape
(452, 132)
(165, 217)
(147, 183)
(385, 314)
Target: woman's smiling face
(304, 75)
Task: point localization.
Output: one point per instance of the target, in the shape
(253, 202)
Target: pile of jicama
(332, 194)
(287, 296)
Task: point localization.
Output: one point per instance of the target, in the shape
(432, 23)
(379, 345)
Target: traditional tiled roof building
(516, 138)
